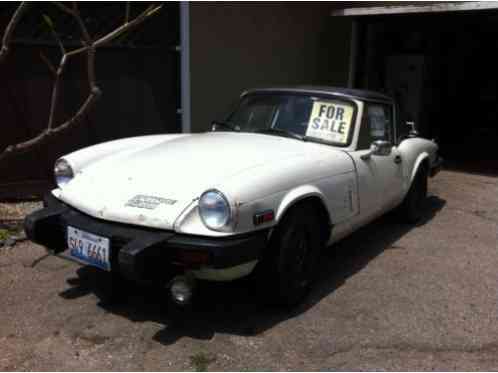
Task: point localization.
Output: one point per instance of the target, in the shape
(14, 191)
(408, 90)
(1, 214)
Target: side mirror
(214, 125)
(378, 147)
(413, 129)
(218, 125)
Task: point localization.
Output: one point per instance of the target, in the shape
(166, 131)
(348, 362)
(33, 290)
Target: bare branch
(25, 146)
(55, 92)
(76, 15)
(74, 52)
(127, 16)
(59, 41)
(10, 29)
(54, 33)
(51, 67)
(64, 8)
(84, 31)
(151, 10)
(89, 102)
(89, 47)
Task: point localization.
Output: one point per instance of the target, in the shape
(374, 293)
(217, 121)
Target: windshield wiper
(281, 132)
(226, 124)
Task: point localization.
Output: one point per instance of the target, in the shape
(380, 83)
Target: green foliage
(48, 21)
(4, 234)
(200, 361)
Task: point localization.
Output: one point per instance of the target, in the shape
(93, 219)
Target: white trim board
(426, 8)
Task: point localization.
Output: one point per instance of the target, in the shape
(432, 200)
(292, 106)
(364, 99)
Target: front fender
(297, 194)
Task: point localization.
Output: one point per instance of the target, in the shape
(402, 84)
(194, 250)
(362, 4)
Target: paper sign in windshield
(330, 121)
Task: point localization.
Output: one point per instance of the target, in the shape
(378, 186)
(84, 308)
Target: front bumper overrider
(142, 253)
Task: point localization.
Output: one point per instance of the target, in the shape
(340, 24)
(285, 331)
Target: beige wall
(237, 46)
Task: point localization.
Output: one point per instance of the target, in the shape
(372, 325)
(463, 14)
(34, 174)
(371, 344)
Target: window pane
(379, 128)
(376, 125)
(329, 120)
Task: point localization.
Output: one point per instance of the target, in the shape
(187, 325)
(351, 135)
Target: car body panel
(168, 169)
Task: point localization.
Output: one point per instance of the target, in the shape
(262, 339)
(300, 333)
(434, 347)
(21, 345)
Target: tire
(294, 249)
(412, 206)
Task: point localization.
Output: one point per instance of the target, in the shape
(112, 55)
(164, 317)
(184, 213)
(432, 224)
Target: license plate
(88, 248)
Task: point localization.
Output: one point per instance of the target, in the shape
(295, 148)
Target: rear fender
(418, 162)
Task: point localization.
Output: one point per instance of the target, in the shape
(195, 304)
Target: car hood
(154, 185)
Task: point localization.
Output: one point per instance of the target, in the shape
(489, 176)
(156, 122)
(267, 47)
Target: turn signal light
(191, 257)
(263, 217)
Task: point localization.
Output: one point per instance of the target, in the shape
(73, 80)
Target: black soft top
(333, 91)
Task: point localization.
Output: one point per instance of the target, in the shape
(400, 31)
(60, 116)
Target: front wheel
(294, 250)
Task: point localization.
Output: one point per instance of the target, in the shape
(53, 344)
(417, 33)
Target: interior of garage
(440, 65)
(442, 69)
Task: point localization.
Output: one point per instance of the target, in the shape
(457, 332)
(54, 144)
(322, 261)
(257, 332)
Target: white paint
(427, 8)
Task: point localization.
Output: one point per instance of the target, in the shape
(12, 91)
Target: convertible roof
(336, 91)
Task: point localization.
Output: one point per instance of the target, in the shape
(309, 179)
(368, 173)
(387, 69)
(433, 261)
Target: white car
(289, 172)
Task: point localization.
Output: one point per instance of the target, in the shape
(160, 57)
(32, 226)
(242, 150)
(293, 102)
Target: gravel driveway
(392, 297)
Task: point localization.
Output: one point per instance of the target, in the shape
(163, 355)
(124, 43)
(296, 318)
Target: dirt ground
(391, 297)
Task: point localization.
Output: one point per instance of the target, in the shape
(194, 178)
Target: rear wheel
(294, 249)
(412, 206)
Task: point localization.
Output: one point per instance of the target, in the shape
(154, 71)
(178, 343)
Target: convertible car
(286, 174)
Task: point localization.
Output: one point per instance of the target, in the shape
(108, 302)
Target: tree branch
(7, 36)
(127, 15)
(151, 10)
(89, 47)
(54, 33)
(55, 92)
(48, 63)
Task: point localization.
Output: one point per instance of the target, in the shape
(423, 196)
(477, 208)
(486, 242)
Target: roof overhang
(423, 8)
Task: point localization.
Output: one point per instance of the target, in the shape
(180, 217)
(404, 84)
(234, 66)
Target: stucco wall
(239, 46)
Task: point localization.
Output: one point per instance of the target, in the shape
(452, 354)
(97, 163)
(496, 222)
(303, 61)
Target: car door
(380, 177)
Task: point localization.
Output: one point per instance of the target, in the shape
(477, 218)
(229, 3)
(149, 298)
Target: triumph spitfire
(289, 172)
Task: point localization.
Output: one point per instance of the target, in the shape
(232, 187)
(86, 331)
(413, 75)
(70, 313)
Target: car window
(316, 118)
(377, 125)
(261, 116)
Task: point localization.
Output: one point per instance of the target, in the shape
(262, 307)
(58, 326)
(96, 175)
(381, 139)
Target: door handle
(397, 159)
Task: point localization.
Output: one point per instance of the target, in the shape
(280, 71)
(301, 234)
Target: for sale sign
(330, 121)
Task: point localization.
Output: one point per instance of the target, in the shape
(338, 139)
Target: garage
(439, 61)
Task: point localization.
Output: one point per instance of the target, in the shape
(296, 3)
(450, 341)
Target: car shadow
(233, 307)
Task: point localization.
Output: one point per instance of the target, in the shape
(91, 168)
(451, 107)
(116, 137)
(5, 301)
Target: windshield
(298, 116)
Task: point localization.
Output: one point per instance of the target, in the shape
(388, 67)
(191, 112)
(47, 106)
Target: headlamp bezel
(227, 223)
(63, 172)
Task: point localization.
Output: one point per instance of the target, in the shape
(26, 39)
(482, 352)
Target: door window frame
(393, 133)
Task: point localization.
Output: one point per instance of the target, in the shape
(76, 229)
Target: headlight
(63, 172)
(214, 209)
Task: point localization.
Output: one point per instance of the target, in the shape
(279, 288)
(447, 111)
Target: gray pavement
(391, 297)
